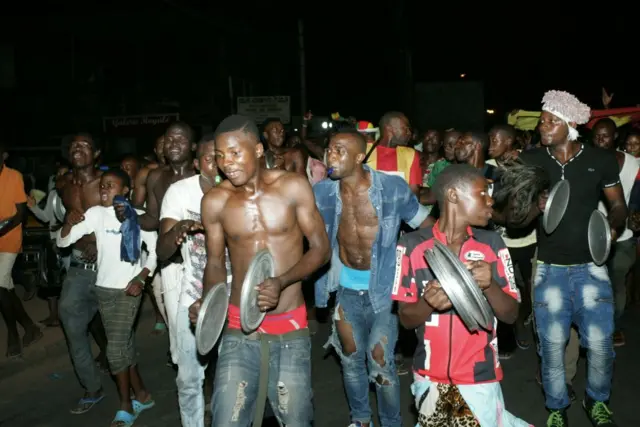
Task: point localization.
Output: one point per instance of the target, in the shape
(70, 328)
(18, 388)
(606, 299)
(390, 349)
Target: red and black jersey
(450, 353)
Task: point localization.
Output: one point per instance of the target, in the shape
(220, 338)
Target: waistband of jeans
(259, 336)
(83, 265)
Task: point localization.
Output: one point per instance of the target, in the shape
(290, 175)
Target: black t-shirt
(590, 171)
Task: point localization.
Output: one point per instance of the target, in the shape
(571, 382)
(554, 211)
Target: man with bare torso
(257, 209)
(291, 159)
(178, 151)
(80, 190)
(139, 196)
(363, 210)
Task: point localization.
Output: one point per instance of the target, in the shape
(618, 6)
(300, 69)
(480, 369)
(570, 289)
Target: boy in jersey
(457, 373)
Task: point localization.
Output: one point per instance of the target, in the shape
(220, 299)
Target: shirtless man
(259, 209)
(78, 307)
(178, 151)
(363, 210)
(139, 196)
(291, 159)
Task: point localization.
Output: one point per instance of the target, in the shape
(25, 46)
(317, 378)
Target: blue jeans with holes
(358, 369)
(579, 294)
(238, 373)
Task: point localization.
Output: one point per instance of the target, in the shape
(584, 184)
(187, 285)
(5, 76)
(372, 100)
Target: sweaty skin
(140, 184)
(80, 189)
(358, 226)
(256, 209)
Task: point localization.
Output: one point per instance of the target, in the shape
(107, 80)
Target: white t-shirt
(627, 179)
(113, 273)
(182, 201)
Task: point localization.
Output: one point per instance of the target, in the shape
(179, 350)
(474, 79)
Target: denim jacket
(394, 202)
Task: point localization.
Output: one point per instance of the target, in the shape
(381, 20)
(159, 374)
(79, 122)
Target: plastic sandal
(139, 407)
(123, 419)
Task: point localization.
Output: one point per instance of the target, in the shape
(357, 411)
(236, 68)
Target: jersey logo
(400, 250)
(474, 256)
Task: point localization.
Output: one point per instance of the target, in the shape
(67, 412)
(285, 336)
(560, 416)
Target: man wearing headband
(568, 286)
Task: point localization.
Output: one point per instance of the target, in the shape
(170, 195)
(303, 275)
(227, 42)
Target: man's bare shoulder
(156, 174)
(289, 182)
(216, 198)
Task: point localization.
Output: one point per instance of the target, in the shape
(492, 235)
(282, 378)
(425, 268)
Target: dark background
(65, 65)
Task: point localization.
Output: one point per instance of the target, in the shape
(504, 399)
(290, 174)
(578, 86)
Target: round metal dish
(58, 207)
(464, 293)
(269, 159)
(556, 206)
(211, 319)
(261, 268)
(599, 234)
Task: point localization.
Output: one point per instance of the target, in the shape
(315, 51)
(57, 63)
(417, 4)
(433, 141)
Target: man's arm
(415, 174)
(299, 161)
(503, 294)
(617, 213)
(312, 226)
(413, 310)
(149, 221)
(411, 211)
(16, 220)
(140, 188)
(215, 272)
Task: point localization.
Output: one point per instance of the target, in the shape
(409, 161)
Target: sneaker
(557, 418)
(356, 424)
(618, 339)
(598, 412)
(505, 355)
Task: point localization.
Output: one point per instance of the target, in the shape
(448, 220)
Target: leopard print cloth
(451, 410)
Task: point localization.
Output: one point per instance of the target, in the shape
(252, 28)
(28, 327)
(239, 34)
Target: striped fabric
(119, 311)
(401, 161)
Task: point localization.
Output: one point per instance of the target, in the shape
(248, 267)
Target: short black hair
(121, 175)
(270, 120)
(505, 129)
(130, 157)
(235, 123)
(453, 176)
(482, 139)
(207, 137)
(359, 137)
(388, 117)
(184, 127)
(606, 121)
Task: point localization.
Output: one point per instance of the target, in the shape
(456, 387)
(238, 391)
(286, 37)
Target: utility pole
(303, 73)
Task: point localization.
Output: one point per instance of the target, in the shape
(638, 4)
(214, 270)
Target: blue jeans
(78, 307)
(370, 331)
(238, 375)
(190, 372)
(579, 294)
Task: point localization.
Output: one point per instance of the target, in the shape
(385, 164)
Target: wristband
(139, 279)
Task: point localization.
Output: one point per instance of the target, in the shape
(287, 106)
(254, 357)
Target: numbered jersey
(450, 353)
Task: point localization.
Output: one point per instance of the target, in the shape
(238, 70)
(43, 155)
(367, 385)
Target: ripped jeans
(375, 336)
(579, 294)
(237, 378)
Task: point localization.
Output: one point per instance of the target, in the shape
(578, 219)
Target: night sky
(353, 56)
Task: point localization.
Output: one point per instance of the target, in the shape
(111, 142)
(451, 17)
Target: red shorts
(273, 324)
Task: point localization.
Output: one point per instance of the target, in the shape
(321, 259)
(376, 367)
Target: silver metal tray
(211, 319)
(599, 233)
(261, 268)
(556, 206)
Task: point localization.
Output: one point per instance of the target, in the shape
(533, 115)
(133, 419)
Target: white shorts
(7, 260)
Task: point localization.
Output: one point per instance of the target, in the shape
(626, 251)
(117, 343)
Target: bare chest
(81, 197)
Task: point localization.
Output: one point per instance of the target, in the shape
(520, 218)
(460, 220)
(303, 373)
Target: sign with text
(128, 124)
(260, 108)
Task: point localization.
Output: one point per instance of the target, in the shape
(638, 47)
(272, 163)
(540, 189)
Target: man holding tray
(457, 373)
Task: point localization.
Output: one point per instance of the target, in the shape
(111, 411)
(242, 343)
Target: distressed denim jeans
(238, 375)
(358, 369)
(190, 372)
(579, 294)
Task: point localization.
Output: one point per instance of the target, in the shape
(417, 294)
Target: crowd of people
(350, 217)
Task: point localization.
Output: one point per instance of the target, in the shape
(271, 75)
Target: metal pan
(211, 319)
(261, 268)
(556, 206)
(464, 293)
(599, 234)
(269, 159)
